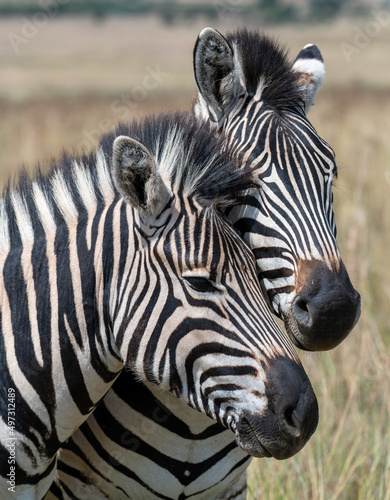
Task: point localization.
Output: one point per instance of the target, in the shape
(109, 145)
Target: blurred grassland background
(73, 77)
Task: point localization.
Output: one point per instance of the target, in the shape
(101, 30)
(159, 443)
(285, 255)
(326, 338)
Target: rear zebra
(138, 267)
(289, 224)
(250, 91)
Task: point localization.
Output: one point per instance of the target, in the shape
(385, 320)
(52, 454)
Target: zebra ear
(311, 69)
(136, 177)
(216, 74)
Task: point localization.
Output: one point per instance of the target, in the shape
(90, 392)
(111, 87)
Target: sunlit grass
(348, 458)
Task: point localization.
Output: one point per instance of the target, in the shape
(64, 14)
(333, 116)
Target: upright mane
(265, 62)
(187, 155)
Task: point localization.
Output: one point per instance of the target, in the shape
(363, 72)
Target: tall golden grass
(348, 458)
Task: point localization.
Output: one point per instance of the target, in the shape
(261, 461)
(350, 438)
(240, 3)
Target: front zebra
(248, 90)
(144, 272)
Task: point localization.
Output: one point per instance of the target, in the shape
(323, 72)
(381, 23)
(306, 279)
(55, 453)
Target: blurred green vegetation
(272, 11)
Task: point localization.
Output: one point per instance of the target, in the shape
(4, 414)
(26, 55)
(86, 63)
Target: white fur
(23, 218)
(313, 74)
(44, 209)
(311, 66)
(63, 197)
(5, 243)
(104, 177)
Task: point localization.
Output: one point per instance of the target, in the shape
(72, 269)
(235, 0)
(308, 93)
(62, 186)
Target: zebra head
(249, 91)
(198, 323)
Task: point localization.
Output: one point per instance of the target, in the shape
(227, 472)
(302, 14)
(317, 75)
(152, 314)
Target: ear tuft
(136, 178)
(310, 67)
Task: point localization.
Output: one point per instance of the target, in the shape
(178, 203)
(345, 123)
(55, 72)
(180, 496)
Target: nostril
(301, 312)
(301, 304)
(288, 417)
(290, 426)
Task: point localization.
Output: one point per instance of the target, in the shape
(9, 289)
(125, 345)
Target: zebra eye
(201, 284)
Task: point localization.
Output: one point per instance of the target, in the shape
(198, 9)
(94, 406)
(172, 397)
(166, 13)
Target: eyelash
(201, 284)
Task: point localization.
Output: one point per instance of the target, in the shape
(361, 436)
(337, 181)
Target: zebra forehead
(189, 156)
(266, 68)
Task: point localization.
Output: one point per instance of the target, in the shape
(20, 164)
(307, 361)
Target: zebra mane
(187, 155)
(265, 62)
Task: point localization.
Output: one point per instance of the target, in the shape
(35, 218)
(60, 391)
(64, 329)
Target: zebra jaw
(237, 425)
(294, 332)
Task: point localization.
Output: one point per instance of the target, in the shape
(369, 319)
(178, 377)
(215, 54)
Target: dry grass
(348, 458)
(73, 56)
(59, 92)
(37, 129)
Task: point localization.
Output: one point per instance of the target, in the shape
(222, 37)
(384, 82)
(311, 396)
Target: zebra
(125, 445)
(251, 93)
(137, 266)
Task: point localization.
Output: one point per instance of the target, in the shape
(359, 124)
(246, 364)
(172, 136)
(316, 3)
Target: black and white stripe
(290, 219)
(137, 267)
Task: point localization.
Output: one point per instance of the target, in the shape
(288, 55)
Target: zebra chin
(288, 420)
(264, 437)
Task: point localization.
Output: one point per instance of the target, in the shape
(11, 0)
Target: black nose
(293, 402)
(291, 416)
(326, 308)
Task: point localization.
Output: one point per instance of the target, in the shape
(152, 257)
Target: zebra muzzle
(325, 309)
(290, 419)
